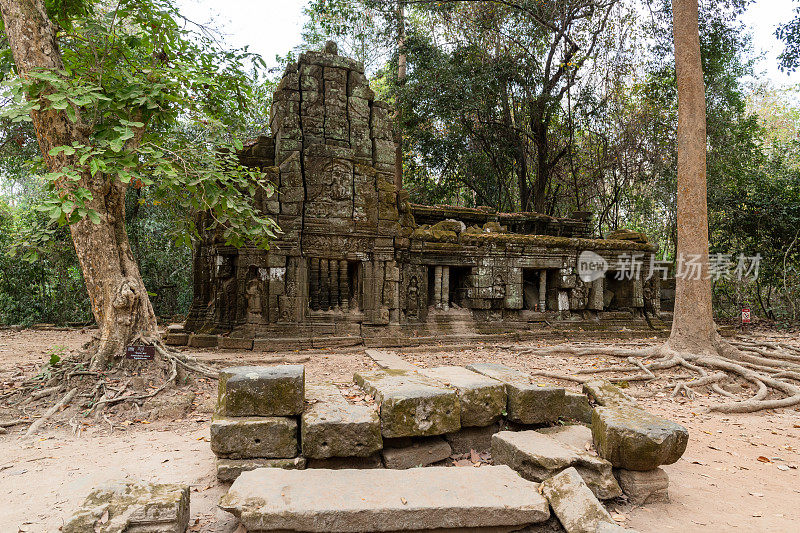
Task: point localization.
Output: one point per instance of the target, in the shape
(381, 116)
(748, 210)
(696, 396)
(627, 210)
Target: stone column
(542, 290)
(314, 282)
(637, 293)
(596, 295)
(324, 279)
(446, 288)
(334, 272)
(344, 285)
(437, 287)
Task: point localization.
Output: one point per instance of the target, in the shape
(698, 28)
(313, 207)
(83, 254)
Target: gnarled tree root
(768, 367)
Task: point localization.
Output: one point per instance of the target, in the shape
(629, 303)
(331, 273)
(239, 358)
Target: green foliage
(153, 100)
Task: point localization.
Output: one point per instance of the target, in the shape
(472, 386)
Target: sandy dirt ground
(739, 473)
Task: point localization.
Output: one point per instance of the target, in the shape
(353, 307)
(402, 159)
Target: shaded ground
(739, 472)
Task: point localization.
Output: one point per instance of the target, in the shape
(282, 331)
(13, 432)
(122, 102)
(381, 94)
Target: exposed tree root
(768, 367)
(50, 412)
(98, 389)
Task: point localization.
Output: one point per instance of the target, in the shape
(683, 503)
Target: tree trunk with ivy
(118, 298)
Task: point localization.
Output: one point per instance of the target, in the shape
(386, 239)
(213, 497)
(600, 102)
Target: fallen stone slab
(573, 502)
(422, 452)
(390, 360)
(577, 407)
(606, 394)
(528, 403)
(229, 469)
(482, 399)
(261, 390)
(418, 499)
(537, 457)
(331, 427)
(474, 438)
(270, 437)
(130, 506)
(633, 439)
(651, 486)
(411, 404)
(576, 435)
(347, 463)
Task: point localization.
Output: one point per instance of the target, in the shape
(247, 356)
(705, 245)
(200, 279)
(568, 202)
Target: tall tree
(693, 324)
(102, 82)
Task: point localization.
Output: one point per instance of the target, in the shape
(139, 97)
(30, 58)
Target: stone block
(577, 407)
(229, 469)
(650, 486)
(235, 343)
(132, 506)
(331, 427)
(573, 503)
(482, 399)
(537, 457)
(472, 438)
(607, 394)
(422, 452)
(411, 404)
(633, 439)
(203, 340)
(576, 436)
(417, 499)
(176, 339)
(261, 390)
(270, 437)
(528, 403)
(347, 463)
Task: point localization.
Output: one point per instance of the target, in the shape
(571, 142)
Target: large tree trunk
(119, 301)
(693, 324)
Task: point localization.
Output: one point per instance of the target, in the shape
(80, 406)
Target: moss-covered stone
(131, 506)
(573, 503)
(412, 404)
(536, 457)
(261, 390)
(606, 394)
(482, 398)
(576, 407)
(528, 403)
(633, 439)
(269, 437)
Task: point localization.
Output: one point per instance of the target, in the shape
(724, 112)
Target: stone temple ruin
(358, 262)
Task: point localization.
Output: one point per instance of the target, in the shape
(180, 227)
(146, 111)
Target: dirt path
(720, 484)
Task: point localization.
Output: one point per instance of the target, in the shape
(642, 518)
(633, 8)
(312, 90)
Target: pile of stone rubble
(304, 458)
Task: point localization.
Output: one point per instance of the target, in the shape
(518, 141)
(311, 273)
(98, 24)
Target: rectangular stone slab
(331, 427)
(423, 452)
(261, 390)
(482, 398)
(133, 506)
(536, 456)
(528, 403)
(229, 469)
(418, 499)
(411, 405)
(573, 503)
(253, 437)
